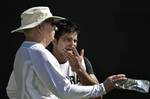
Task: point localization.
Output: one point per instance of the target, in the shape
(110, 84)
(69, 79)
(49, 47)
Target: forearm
(85, 78)
(61, 86)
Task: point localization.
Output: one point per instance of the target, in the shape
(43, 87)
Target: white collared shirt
(38, 76)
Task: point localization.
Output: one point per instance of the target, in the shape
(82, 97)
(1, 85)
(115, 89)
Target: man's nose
(73, 44)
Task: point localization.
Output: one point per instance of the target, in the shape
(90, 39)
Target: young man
(66, 38)
(38, 73)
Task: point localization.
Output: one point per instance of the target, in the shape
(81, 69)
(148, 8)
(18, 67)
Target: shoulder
(87, 61)
(88, 65)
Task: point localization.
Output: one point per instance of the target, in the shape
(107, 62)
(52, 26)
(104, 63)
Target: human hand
(75, 59)
(110, 82)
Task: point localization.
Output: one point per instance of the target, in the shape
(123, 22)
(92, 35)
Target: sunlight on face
(67, 41)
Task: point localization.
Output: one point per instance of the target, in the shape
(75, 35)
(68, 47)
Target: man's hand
(110, 82)
(75, 59)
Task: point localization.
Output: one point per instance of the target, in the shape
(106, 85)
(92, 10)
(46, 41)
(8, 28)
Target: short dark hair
(66, 26)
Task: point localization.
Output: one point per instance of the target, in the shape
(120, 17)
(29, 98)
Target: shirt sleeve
(48, 71)
(11, 87)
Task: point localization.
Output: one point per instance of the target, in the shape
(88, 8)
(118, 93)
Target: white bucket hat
(34, 16)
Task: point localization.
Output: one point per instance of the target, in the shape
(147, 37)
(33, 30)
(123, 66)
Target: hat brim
(29, 26)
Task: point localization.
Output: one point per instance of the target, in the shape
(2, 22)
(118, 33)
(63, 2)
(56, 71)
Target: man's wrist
(103, 88)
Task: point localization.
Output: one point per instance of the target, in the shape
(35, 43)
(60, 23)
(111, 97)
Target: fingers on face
(75, 51)
(68, 55)
(73, 55)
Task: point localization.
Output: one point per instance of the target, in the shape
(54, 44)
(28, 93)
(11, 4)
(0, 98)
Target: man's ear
(39, 28)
